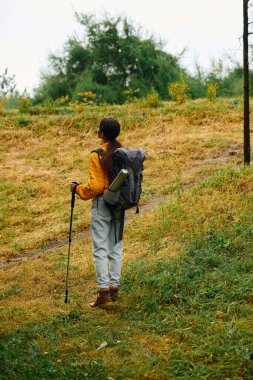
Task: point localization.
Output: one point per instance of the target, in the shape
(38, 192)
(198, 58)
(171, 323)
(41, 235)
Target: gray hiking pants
(107, 254)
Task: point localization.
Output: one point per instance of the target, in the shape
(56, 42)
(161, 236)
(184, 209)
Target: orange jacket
(98, 182)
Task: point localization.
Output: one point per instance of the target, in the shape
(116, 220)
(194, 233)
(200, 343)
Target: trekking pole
(70, 239)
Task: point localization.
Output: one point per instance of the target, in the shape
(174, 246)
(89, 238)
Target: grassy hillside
(186, 310)
(40, 155)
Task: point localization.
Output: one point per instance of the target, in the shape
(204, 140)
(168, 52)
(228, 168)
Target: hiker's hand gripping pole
(73, 190)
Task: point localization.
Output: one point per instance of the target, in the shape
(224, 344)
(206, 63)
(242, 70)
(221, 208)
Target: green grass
(9, 292)
(202, 300)
(187, 317)
(29, 353)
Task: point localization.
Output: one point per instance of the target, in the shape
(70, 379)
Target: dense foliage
(229, 80)
(112, 57)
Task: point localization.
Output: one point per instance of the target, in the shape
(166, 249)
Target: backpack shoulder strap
(100, 152)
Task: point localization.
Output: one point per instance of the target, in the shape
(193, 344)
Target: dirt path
(55, 244)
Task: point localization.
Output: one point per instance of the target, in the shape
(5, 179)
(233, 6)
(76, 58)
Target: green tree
(7, 83)
(228, 77)
(113, 56)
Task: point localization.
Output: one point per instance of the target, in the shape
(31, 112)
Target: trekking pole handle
(73, 195)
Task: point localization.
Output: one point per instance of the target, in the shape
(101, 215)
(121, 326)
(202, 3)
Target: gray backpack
(129, 194)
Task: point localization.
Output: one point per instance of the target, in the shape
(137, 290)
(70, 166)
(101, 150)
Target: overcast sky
(31, 29)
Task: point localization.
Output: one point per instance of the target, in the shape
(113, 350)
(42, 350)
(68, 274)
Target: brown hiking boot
(114, 292)
(103, 297)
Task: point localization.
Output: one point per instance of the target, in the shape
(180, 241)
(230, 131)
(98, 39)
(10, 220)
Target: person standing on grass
(103, 223)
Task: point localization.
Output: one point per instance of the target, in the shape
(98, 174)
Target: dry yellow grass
(183, 143)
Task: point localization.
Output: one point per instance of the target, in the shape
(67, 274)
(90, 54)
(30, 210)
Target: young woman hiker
(103, 223)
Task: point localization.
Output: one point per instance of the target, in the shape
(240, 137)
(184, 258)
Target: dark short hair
(110, 128)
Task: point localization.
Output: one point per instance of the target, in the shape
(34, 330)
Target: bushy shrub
(61, 101)
(86, 99)
(179, 91)
(212, 89)
(1, 108)
(24, 105)
(131, 94)
(152, 99)
(23, 121)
